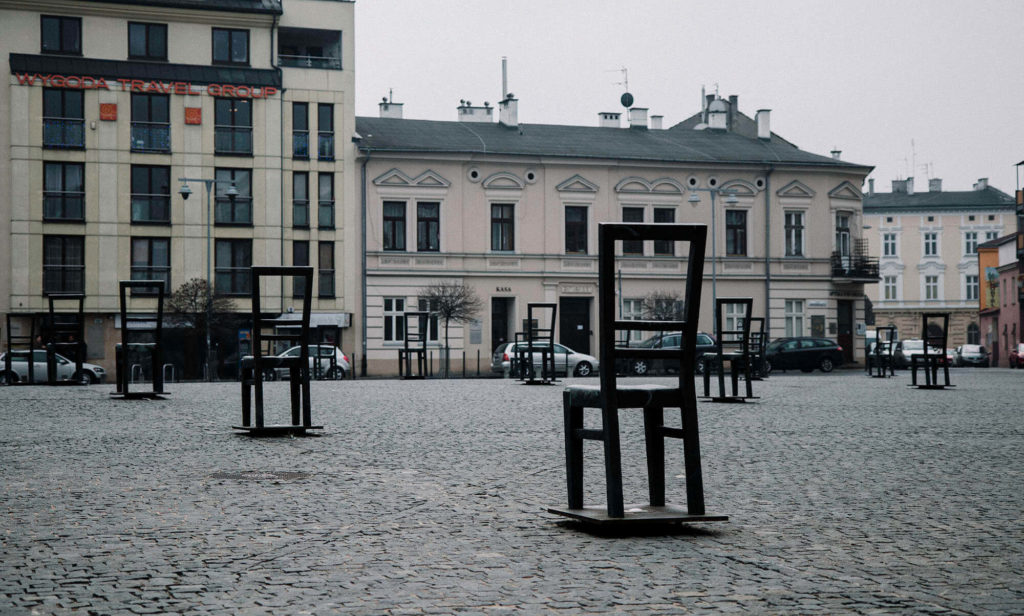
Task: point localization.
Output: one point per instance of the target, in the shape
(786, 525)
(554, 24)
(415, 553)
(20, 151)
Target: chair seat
(271, 361)
(629, 396)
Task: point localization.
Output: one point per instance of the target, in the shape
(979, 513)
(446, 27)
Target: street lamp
(730, 199)
(185, 193)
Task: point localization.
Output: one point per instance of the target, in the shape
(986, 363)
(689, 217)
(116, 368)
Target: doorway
(574, 323)
(501, 318)
(845, 322)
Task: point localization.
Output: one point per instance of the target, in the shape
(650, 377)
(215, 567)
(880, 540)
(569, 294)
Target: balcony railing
(233, 281)
(60, 205)
(325, 146)
(151, 273)
(63, 279)
(325, 215)
(63, 133)
(300, 144)
(855, 267)
(309, 62)
(232, 140)
(151, 137)
(326, 283)
(151, 208)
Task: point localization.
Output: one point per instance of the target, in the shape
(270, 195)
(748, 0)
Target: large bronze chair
(934, 331)
(732, 346)
(140, 333)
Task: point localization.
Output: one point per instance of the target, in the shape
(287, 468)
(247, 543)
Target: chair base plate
(728, 398)
(277, 430)
(930, 386)
(636, 515)
(138, 395)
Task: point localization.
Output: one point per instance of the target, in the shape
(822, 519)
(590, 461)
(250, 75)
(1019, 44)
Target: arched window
(973, 334)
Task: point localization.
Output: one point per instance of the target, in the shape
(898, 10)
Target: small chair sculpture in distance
(758, 344)
(934, 329)
(415, 326)
(733, 346)
(64, 333)
(882, 359)
(538, 337)
(610, 397)
(145, 335)
(21, 342)
(254, 367)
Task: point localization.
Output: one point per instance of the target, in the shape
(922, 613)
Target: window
(394, 225)
(633, 310)
(889, 288)
(736, 233)
(734, 315)
(931, 244)
(147, 41)
(664, 247)
(325, 131)
(394, 320)
(632, 214)
(151, 194)
(61, 35)
(300, 130)
(843, 236)
(325, 205)
(428, 226)
(973, 334)
(794, 234)
(575, 229)
(991, 235)
(889, 244)
(971, 243)
(151, 260)
(233, 263)
(63, 191)
(232, 126)
(63, 119)
(300, 199)
(794, 317)
(502, 229)
(300, 258)
(325, 280)
(931, 287)
(230, 46)
(151, 123)
(232, 210)
(431, 306)
(971, 287)
(63, 264)
(888, 219)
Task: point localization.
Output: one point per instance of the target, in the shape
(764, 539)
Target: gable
(393, 177)
(633, 185)
(796, 188)
(396, 177)
(740, 188)
(577, 183)
(504, 179)
(846, 190)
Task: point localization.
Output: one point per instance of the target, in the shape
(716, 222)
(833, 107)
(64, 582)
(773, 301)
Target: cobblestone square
(845, 495)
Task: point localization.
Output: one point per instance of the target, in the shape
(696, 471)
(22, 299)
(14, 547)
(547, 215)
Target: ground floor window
(633, 310)
(394, 319)
(794, 317)
(430, 306)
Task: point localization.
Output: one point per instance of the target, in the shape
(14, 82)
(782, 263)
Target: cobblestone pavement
(846, 495)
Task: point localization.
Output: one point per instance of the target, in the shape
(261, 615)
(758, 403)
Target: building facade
(928, 246)
(112, 108)
(999, 309)
(512, 209)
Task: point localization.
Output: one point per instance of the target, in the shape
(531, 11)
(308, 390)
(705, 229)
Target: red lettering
(229, 91)
(138, 85)
(213, 89)
(45, 79)
(193, 91)
(180, 87)
(102, 83)
(25, 79)
(126, 84)
(244, 91)
(58, 81)
(72, 82)
(269, 91)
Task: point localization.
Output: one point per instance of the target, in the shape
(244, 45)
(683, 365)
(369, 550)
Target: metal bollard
(169, 368)
(134, 366)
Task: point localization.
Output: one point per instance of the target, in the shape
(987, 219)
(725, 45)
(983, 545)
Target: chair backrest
(144, 323)
(62, 325)
(733, 329)
(758, 340)
(277, 334)
(416, 329)
(885, 341)
(609, 234)
(540, 323)
(934, 331)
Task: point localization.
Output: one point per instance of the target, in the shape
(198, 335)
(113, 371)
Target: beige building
(928, 246)
(107, 105)
(512, 210)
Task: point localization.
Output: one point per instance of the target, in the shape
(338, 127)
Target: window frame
(226, 177)
(931, 287)
(71, 128)
(970, 243)
(428, 227)
(425, 304)
(890, 288)
(972, 287)
(794, 224)
(150, 197)
(325, 137)
(61, 193)
(736, 233)
(394, 320)
(147, 27)
(794, 318)
(300, 136)
(576, 229)
(238, 272)
(61, 21)
(503, 227)
(66, 270)
(325, 214)
(150, 270)
(633, 247)
(235, 131)
(230, 32)
(300, 258)
(300, 204)
(393, 227)
(325, 275)
(930, 244)
(153, 131)
(665, 248)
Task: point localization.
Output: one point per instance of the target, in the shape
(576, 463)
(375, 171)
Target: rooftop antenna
(504, 77)
(626, 99)
(913, 157)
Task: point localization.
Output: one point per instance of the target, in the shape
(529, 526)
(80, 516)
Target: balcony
(63, 133)
(232, 140)
(151, 137)
(309, 48)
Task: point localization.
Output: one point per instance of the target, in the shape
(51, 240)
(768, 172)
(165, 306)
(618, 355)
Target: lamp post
(185, 193)
(730, 199)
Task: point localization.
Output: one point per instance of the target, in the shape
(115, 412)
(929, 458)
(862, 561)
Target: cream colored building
(512, 210)
(928, 244)
(107, 104)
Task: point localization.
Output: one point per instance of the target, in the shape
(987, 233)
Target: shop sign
(193, 115)
(86, 82)
(108, 111)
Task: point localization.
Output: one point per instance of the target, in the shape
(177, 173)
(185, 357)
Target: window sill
(236, 154)
(57, 146)
(232, 224)
(151, 223)
(73, 221)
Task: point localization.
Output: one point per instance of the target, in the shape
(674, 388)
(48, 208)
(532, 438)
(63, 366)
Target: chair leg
(246, 396)
(654, 421)
(612, 459)
(707, 376)
(573, 418)
(691, 458)
(750, 385)
(294, 376)
(258, 386)
(721, 377)
(734, 376)
(307, 405)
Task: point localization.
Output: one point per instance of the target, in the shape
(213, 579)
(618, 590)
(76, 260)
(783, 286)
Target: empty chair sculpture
(757, 346)
(934, 328)
(611, 397)
(27, 343)
(537, 340)
(141, 333)
(64, 333)
(412, 357)
(263, 359)
(732, 346)
(882, 358)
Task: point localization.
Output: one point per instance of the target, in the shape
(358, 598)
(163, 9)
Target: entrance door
(501, 313)
(574, 323)
(845, 335)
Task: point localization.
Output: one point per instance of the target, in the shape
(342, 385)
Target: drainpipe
(362, 256)
(768, 251)
(280, 125)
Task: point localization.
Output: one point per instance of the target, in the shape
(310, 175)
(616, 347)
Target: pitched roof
(986, 198)
(271, 7)
(686, 146)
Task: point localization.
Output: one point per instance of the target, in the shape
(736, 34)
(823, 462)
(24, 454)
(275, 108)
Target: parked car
(804, 354)
(971, 355)
(642, 365)
(1017, 356)
(907, 349)
(318, 353)
(91, 373)
(567, 361)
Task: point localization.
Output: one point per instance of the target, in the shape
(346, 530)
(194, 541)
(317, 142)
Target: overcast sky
(932, 88)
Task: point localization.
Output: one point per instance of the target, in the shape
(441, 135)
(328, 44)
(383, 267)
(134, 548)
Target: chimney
(733, 110)
(836, 154)
(708, 98)
(764, 129)
(910, 185)
(935, 185)
(638, 117)
(871, 187)
(718, 115)
(981, 184)
(609, 119)
(389, 109)
(508, 111)
(656, 122)
(899, 186)
(469, 113)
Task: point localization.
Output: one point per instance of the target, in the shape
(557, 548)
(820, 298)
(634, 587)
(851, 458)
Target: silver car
(91, 373)
(567, 361)
(319, 363)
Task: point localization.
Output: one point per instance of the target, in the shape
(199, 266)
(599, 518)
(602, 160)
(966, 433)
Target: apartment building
(511, 210)
(115, 110)
(1001, 295)
(928, 246)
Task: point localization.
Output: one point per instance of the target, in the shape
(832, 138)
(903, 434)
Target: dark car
(642, 365)
(1016, 357)
(804, 354)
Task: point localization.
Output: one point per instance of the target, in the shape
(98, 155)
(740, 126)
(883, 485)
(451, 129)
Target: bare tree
(187, 304)
(662, 306)
(454, 302)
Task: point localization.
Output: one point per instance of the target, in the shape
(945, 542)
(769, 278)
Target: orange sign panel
(193, 115)
(108, 111)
